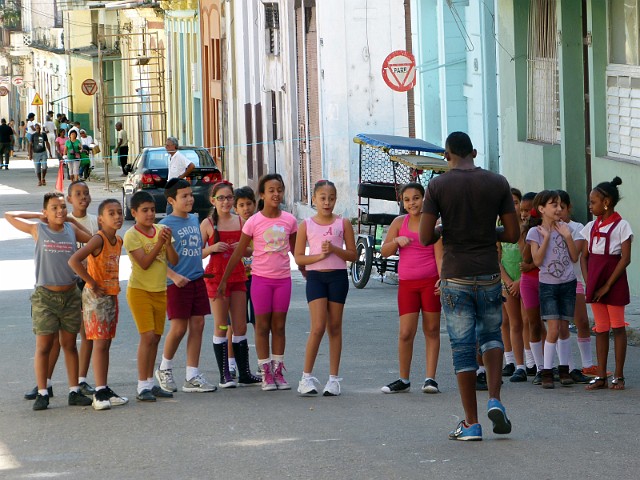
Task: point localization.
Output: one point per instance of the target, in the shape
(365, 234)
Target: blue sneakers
(498, 415)
(465, 432)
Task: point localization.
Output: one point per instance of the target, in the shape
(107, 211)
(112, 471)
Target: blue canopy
(389, 142)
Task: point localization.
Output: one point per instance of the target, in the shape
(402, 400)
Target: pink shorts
(188, 301)
(529, 291)
(608, 317)
(418, 295)
(270, 294)
(579, 288)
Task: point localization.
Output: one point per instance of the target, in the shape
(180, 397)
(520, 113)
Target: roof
(389, 142)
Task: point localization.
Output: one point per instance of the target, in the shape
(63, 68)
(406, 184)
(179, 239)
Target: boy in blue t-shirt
(187, 300)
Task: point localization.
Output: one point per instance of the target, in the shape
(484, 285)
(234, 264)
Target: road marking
(7, 461)
(7, 190)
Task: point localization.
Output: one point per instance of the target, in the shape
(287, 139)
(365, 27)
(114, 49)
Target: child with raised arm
(148, 246)
(606, 256)
(221, 233)
(187, 302)
(554, 251)
(56, 305)
(419, 276)
(273, 232)
(331, 246)
(100, 296)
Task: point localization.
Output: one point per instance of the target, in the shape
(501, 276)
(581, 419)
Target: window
(275, 115)
(624, 32)
(543, 112)
(272, 28)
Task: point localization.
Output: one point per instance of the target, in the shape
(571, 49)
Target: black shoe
(430, 386)
(537, 379)
(481, 382)
(396, 387)
(508, 369)
(531, 371)
(578, 376)
(76, 399)
(33, 393)
(158, 392)
(518, 376)
(86, 389)
(146, 396)
(41, 403)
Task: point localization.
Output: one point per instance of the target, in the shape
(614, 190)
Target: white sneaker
(198, 384)
(307, 386)
(166, 381)
(115, 399)
(101, 400)
(332, 388)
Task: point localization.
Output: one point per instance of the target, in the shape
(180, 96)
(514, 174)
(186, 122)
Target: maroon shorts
(212, 287)
(418, 295)
(188, 301)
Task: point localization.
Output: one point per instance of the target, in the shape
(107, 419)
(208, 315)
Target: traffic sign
(399, 71)
(89, 86)
(5, 80)
(4, 91)
(37, 100)
(17, 81)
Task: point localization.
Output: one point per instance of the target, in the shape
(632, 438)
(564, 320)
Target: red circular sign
(399, 71)
(89, 86)
(4, 91)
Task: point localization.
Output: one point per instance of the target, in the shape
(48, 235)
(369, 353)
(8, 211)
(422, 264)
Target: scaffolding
(137, 58)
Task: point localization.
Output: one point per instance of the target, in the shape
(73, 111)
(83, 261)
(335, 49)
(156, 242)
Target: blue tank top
(53, 251)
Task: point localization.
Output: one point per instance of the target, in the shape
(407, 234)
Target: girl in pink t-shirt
(273, 232)
(419, 276)
(331, 246)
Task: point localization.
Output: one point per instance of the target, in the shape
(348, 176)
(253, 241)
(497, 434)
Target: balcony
(19, 44)
(48, 39)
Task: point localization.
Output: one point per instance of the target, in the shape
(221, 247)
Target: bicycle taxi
(386, 162)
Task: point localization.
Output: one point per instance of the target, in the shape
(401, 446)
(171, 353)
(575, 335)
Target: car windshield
(159, 158)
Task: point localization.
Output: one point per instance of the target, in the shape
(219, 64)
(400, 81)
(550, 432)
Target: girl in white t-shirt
(273, 232)
(605, 258)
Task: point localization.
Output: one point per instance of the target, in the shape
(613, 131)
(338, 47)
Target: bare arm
(429, 234)
(392, 241)
(146, 259)
(190, 168)
(348, 253)
(584, 260)
(92, 247)
(236, 256)
(301, 245)
(623, 263)
(19, 220)
(438, 249)
(511, 232)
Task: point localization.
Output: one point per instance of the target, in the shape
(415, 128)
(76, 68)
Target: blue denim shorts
(472, 309)
(557, 301)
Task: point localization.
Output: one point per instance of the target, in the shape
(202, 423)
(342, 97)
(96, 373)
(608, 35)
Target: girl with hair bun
(605, 258)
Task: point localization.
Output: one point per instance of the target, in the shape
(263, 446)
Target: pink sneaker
(281, 383)
(268, 382)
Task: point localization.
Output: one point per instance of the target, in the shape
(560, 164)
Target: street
(246, 433)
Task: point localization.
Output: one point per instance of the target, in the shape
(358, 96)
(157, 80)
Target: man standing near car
(122, 147)
(179, 165)
(469, 199)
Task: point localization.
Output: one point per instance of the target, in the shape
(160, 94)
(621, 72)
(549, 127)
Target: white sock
(509, 357)
(232, 363)
(219, 340)
(334, 378)
(101, 387)
(277, 358)
(74, 389)
(584, 344)
(522, 367)
(564, 351)
(82, 379)
(142, 385)
(549, 354)
(44, 393)
(480, 370)
(306, 375)
(192, 372)
(263, 361)
(149, 383)
(528, 357)
(166, 364)
(238, 339)
(49, 383)
(537, 352)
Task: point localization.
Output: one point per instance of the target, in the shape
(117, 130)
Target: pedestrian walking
(6, 143)
(122, 147)
(470, 278)
(41, 151)
(331, 246)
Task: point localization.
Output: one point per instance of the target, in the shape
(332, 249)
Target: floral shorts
(100, 315)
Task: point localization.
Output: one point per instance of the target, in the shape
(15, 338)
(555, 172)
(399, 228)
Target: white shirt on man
(178, 164)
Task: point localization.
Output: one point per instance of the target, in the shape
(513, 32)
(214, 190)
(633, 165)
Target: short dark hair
(73, 184)
(243, 192)
(263, 181)
(139, 198)
(414, 185)
(459, 143)
(49, 195)
(564, 197)
(106, 202)
(610, 190)
(543, 197)
(516, 193)
(173, 185)
(529, 196)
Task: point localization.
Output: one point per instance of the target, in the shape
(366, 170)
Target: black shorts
(333, 285)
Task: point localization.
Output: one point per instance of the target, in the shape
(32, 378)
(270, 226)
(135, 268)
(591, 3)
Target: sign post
(399, 71)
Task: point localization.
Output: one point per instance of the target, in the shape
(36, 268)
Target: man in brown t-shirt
(469, 199)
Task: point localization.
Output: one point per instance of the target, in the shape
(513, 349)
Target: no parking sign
(399, 71)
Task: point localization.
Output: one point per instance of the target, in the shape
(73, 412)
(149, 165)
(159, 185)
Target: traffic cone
(60, 179)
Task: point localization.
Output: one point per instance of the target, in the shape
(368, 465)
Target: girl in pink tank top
(418, 274)
(221, 234)
(331, 246)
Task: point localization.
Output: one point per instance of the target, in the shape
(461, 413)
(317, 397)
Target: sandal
(598, 383)
(617, 383)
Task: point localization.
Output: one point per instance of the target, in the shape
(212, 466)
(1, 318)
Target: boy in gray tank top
(56, 305)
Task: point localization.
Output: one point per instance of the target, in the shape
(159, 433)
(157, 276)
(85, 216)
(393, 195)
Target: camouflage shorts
(100, 315)
(52, 311)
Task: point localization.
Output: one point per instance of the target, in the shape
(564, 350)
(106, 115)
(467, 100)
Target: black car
(149, 172)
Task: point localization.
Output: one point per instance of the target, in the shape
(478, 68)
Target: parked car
(149, 172)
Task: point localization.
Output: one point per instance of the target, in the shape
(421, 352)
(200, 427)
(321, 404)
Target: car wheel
(125, 208)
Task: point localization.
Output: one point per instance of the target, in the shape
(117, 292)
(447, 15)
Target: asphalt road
(246, 433)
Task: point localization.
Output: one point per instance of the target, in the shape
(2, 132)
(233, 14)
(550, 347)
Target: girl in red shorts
(606, 256)
(419, 275)
(221, 234)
